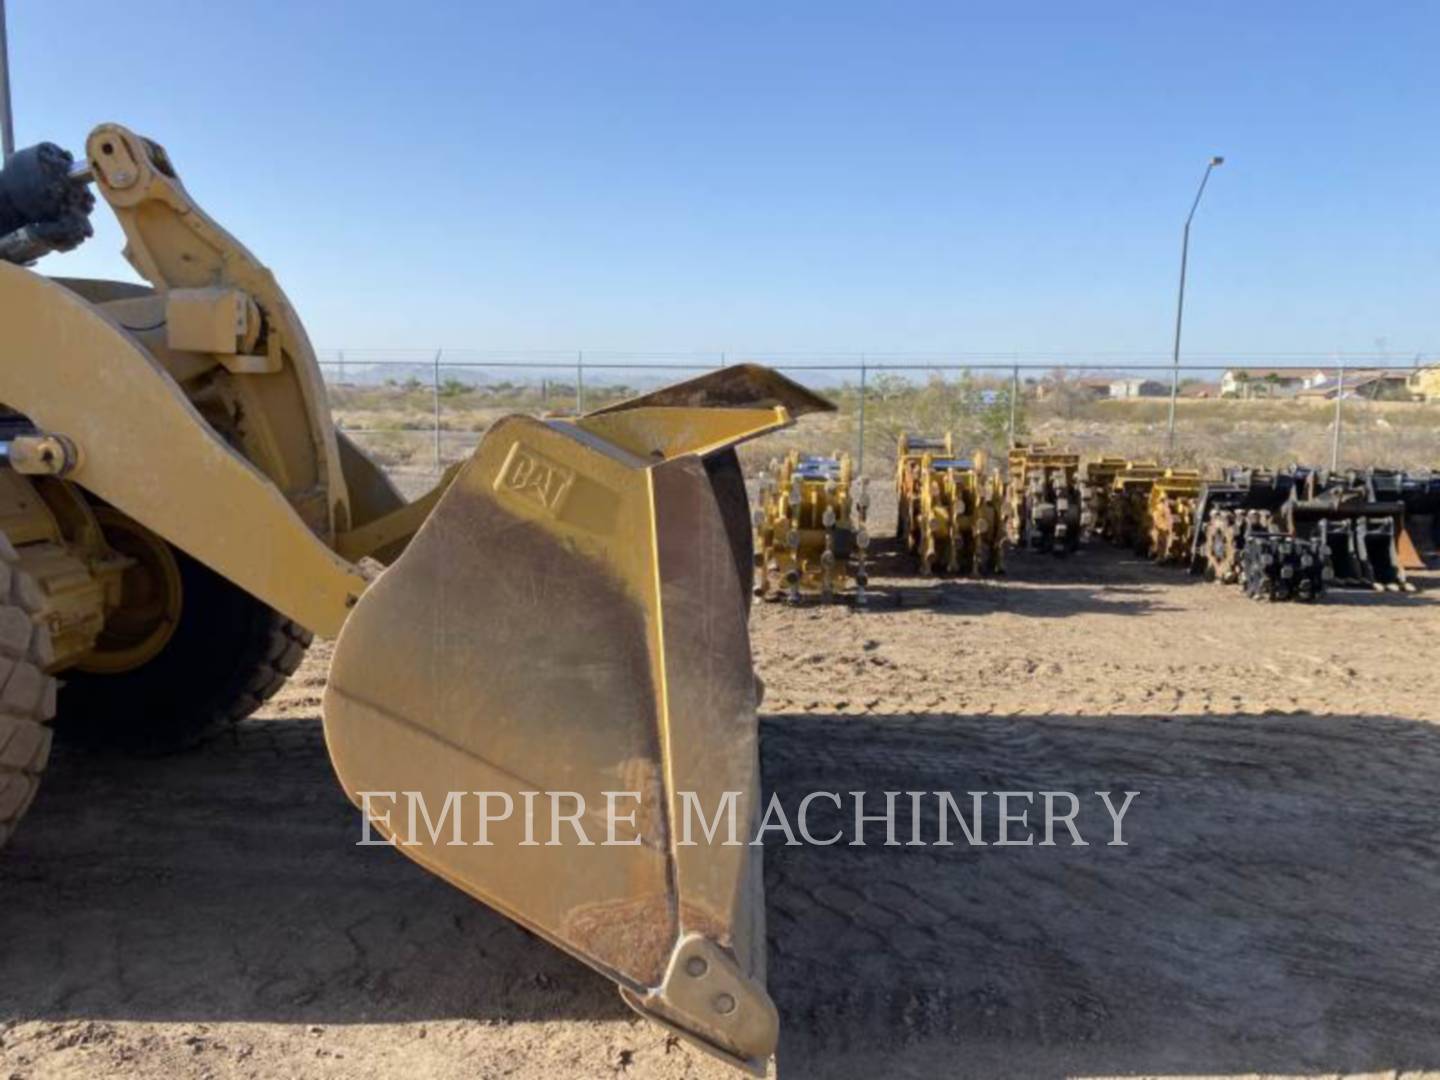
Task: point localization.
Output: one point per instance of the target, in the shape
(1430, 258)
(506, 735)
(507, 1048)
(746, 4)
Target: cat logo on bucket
(533, 476)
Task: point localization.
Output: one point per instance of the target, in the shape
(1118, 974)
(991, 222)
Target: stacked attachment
(1222, 545)
(1278, 567)
(1097, 487)
(1043, 505)
(1419, 493)
(908, 454)
(1355, 523)
(1128, 505)
(1170, 515)
(1226, 508)
(810, 533)
(1360, 531)
(949, 510)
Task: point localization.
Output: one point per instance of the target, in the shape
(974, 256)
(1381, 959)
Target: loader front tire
(226, 656)
(27, 693)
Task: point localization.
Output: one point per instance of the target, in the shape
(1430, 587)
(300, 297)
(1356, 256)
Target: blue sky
(785, 176)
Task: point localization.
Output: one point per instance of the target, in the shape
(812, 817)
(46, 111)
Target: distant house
(1424, 383)
(1372, 385)
(1382, 386)
(1090, 386)
(1136, 388)
(1267, 382)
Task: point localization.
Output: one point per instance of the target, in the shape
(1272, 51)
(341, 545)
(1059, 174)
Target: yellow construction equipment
(566, 611)
(949, 510)
(1128, 508)
(1096, 489)
(908, 453)
(810, 531)
(1170, 515)
(1043, 500)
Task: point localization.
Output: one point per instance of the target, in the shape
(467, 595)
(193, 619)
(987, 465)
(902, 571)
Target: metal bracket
(707, 999)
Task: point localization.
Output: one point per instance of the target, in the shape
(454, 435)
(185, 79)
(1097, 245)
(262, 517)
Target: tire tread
(27, 692)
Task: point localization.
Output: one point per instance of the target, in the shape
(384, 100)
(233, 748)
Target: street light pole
(7, 121)
(1180, 301)
(1339, 415)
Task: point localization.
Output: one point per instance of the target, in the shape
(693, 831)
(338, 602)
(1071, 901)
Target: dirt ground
(1277, 909)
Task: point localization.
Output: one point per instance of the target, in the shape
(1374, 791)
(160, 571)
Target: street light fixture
(1214, 163)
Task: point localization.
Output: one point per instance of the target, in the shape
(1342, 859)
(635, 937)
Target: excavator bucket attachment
(565, 638)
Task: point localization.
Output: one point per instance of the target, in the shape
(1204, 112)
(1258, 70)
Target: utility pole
(1180, 301)
(1339, 415)
(1014, 397)
(436, 388)
(7, 120)
(860, 456)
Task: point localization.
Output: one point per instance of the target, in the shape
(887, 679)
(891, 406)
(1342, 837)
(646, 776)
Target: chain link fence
(419, 410)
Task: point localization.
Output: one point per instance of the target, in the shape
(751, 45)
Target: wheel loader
(566, 610)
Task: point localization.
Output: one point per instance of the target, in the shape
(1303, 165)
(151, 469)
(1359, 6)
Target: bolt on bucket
(568, 628)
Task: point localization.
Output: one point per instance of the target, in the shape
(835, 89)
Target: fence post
(1339, 416)
(1174, 394)
(722, 359)
(1014, 397)
(436, 388)
(860, 454)
(580, 382)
